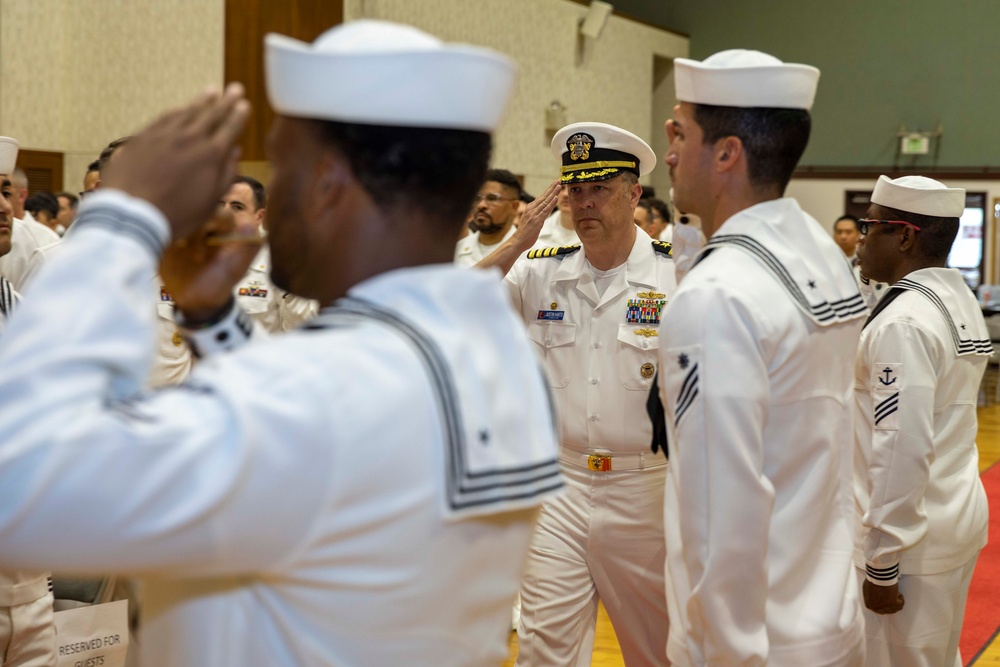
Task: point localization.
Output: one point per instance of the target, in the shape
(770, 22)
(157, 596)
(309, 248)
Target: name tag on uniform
(551, 314)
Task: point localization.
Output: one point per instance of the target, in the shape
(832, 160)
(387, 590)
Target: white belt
(607, 462)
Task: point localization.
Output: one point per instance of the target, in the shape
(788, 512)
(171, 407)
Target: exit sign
(915, 145)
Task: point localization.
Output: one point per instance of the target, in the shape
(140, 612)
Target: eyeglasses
(864, 224)
(491, 198)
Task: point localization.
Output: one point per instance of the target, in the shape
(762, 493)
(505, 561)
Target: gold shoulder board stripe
(553, 252)
(663, 247)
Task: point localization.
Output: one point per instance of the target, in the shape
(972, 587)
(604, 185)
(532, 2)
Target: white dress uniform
(469, 251)
(359, 492)
(756, 384)
(921, 505)
(554, 235)
(25, 238)
(604, 539)
(27, 635)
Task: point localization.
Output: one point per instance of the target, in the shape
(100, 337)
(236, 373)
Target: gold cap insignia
(579, 146)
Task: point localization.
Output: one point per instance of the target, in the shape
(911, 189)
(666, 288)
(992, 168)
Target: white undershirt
(603, 279)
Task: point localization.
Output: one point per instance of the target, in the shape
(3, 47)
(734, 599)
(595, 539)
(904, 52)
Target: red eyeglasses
(864, 224)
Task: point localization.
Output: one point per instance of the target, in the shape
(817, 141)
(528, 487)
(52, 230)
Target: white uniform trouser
(27, 634)
(925, 632)
(602, 540)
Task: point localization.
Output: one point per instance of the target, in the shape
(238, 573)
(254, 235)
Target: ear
(728, 151)
(329, 181)
(635, 194)
(908, 239)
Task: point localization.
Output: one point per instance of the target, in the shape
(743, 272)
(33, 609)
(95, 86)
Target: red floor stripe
(982, 611)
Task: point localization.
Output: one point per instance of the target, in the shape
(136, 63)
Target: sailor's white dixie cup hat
(8, 154)
(920, 195)
(380, 73)
(744, 78)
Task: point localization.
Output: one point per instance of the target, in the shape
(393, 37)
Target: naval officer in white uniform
(921, 506)
(358, 492)
(592, 312)
(755, 378)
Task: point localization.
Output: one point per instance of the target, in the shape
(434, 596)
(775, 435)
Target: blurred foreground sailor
(922, 507)
(756, 382)
(358, 492)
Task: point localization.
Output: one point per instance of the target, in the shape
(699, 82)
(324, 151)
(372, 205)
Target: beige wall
(612, 83)
(75, 74)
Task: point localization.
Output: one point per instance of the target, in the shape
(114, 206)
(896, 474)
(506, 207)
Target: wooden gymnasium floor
(607, 654)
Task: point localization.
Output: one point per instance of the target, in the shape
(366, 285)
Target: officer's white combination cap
(380, 73)
(598, 151)
(743, 78)
(8, 155)
(921, 195)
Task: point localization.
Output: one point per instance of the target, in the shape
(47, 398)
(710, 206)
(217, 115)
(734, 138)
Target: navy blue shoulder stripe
(981, 346)
(465, 488)
(840, 310)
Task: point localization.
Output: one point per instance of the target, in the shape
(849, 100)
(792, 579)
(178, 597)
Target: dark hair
(847, 216)
(259, 193)
(648, 192)
(661, 207)
(644, 203)
(505, 178)
(526, 198)
(73, 199)
(774, 139)
(436, 171)
(42, 201)
(109, 150)
(936, 235)
(94, 166)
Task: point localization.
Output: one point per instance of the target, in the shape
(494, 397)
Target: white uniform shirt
(757, 388)
(25, 238)
(686, 240)
(921, 505)
(600, 356)
(302, 501)
(554, 235)
(17, 588)
(469, 251)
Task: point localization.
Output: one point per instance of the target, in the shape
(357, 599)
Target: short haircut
(109, 150)
(526, 198)
(435, 171)
(661, 207)
(847, 216)
(506, 178)
(936, 235)
(774, 139)
(628, 178)
(259, 193)
(94, 166)
(648, 192)
(19, 179)
(644, 203)
(42, 201)
(73, 199)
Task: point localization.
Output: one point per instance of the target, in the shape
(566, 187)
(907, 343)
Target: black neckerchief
(883, 303)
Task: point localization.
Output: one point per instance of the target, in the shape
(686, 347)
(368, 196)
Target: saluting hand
(882, 599)
(184, 162)
(534, 215)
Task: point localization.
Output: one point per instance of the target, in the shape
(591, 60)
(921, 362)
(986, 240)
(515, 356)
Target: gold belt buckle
(599, 463)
